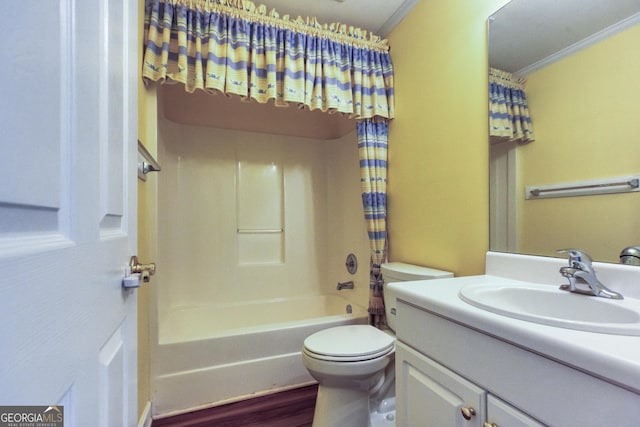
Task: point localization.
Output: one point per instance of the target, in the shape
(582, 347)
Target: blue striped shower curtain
(373, 136)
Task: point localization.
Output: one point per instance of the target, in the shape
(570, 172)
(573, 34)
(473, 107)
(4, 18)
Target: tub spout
(345, 285)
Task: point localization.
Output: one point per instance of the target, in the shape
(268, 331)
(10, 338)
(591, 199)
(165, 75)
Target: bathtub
(214, 354)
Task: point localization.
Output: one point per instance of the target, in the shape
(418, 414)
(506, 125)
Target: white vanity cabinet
(426, 390)
(447, 371)
(430, 394)
(500, 413)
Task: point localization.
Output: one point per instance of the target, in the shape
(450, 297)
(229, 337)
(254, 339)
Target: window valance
(509, 117)
(236, 47)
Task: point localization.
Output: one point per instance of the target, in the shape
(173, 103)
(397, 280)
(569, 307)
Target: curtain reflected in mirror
(582, 97)
(509, 118)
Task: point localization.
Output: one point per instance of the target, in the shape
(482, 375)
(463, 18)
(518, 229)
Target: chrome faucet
(580, 272)
(630, 255)
(345, 285)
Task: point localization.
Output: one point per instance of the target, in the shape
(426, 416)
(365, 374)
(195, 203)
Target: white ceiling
(377, 16)
(527, 34)
(524, 35)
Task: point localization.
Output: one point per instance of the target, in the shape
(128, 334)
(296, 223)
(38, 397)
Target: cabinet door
(428, 394)
(501, 414)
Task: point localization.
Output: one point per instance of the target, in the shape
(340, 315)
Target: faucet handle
(576, 256)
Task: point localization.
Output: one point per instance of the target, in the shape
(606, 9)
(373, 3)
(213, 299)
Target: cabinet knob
(468, 412)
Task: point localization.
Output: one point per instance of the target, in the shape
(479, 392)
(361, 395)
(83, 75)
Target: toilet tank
(401, 272)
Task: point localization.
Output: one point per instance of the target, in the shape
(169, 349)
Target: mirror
(580, 61)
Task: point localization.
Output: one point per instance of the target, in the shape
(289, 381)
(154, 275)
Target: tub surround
(572, 364)
(208, 246)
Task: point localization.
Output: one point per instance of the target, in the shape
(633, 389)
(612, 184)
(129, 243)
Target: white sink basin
(550, 306)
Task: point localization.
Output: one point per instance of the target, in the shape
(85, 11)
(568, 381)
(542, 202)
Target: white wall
(199, 251)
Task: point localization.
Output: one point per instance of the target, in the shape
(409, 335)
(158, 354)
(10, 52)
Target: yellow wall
(586, 118)
(438, 143)
(147, 202)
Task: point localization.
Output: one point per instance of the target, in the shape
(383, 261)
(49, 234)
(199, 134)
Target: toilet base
(385, 414)
(341, 407)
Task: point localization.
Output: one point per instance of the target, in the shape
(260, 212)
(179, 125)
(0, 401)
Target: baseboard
(145, 417)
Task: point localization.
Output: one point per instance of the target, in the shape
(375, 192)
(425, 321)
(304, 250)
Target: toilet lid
(352, 342)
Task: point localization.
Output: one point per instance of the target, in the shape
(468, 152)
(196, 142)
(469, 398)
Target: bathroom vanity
(459, 364)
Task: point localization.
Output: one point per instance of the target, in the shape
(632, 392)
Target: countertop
(614, 358)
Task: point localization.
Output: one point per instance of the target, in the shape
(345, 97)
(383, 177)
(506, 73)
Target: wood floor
(292, 408)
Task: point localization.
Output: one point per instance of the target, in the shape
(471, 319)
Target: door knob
(145, 270)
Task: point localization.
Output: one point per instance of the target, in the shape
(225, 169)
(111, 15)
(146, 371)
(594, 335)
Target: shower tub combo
(254, 217)
(215, 354)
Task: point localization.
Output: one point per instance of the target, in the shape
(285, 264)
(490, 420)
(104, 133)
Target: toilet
(354, 364)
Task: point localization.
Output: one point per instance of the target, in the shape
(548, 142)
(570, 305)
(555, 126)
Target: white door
(68, 131)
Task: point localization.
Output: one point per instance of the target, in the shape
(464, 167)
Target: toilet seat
(351, 343)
